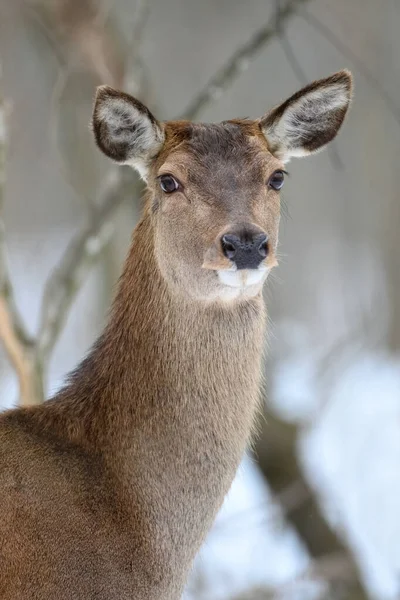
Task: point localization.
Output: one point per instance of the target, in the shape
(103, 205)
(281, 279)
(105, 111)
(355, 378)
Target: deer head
(214, 189)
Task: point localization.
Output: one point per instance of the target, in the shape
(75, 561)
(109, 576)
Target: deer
(108, 489)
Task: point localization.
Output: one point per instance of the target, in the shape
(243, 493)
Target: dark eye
(277, 180)
(168, 184)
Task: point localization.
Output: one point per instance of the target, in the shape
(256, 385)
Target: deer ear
(309, 119)
(125, 130)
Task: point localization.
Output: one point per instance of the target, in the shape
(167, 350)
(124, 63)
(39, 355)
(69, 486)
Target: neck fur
(168, 397)
(162, 355)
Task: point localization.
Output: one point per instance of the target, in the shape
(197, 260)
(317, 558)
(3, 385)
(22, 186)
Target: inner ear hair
(124, 129)
(309, 119)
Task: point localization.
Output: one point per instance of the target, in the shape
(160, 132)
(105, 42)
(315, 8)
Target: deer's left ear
(309, 119)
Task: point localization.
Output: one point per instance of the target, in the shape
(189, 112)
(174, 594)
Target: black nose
(245, 249)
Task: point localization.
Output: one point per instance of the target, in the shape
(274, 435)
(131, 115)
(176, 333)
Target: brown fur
(107, 490)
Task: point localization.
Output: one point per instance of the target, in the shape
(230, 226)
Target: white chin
(244, 278)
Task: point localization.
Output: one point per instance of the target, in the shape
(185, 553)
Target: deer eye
(168, 184)
(277, 180)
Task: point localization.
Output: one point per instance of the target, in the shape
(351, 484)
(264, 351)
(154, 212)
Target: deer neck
(172, 362)
(183, 374)
(167, 397)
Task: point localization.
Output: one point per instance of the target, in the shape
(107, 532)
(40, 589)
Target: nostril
(246, 250)
(263, 247)
(229, 245)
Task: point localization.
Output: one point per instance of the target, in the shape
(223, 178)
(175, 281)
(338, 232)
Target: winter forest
(314, 510)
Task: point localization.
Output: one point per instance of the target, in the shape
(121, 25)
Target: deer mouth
(243, 278)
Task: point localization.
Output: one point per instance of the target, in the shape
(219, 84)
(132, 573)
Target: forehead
(234, 148)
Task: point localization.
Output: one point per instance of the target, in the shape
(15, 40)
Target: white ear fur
(125, 130)
(309, 119)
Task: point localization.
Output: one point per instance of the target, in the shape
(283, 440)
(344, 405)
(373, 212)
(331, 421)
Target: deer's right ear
(125, 130)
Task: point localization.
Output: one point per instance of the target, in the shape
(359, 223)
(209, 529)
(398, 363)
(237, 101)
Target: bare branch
(21, 357)
(7, 292)
(67, 278)
(238, 62)
(30, 356)
(13, 334)
(278, 459)
(6, 289)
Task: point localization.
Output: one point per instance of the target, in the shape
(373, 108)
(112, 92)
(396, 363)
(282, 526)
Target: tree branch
(238, 62)
(67, 278)
(87, 245)
(21, 357)
(277, 456)
(13, 335)
(31, 356)
(6, 288)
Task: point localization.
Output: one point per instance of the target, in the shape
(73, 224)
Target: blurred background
(314, 510)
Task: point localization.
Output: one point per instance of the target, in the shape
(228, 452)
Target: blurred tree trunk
(276, 451)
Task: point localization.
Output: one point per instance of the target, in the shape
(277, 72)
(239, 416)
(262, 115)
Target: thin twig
(67, 278)
(7, 291)
(238, 62)
(20, 357)
(13, 335)
(87, 245)
(6, 288)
